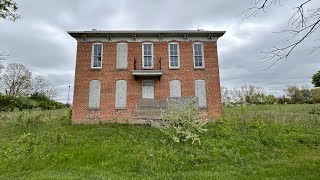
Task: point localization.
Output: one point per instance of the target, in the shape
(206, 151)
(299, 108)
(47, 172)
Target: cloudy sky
(39, 39)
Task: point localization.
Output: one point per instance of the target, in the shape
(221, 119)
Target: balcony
(152, 71)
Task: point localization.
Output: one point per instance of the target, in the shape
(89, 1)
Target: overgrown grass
(255, 142)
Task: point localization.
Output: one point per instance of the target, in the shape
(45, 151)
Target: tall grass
(255, 142)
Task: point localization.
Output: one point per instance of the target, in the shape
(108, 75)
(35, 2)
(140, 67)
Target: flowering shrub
(182, 123)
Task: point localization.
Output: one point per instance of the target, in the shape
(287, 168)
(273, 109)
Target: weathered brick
(108, 76)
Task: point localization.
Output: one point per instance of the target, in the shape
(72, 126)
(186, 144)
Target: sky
(40, 41)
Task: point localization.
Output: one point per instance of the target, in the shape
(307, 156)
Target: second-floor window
(174, 56)
(147, 53)
(96, 61)
(198, 55)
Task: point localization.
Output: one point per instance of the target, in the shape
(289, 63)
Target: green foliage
(315, 95)
(8, 9)
(10, 103)
(316, 79)
(182, 123)
(315, 111)
(270, 99)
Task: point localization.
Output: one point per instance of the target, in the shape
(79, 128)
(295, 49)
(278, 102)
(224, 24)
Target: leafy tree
(316, 79)
(270, 99)
(315, 95)
(17, 80)
(8, 10)
(252, 94)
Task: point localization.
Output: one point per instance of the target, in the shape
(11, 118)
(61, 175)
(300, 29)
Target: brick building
(116, 70)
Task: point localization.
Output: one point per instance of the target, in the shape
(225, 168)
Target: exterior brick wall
(108, 76)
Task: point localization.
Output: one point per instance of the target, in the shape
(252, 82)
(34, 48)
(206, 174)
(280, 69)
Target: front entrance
(148, 89)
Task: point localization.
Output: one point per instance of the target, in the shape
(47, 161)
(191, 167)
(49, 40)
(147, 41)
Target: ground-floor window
(175, 88)
(94, 94)
(121, 94)
(200, 92)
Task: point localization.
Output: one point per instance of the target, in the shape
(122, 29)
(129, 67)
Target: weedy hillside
(254, 142)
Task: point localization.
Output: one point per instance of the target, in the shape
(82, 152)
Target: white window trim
(92, 54)
(152, 63)
(194, 59)
(170, 67)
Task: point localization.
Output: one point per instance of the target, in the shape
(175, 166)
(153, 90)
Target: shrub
(182, 123)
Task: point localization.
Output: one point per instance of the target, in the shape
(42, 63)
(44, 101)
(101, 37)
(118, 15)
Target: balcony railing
(138, 64)
(140, 71)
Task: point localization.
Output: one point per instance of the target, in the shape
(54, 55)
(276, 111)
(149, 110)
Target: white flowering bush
(182, 123)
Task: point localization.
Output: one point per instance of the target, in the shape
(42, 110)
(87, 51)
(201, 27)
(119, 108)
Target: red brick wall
(108, 76)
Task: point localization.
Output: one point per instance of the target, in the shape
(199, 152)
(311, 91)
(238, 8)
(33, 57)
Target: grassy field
(255, 142)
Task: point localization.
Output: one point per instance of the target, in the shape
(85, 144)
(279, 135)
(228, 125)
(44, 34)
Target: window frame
(169, 55)
(152, 62)
(194, 56)
(92, 55)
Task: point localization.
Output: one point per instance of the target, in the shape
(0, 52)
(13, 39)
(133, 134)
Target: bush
(182, 124)
(10, 103)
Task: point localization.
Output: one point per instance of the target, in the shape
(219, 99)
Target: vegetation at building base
(183, 123)
(253, 142)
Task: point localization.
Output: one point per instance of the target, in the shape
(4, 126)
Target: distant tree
(225, 95)
(2, 58)
(294, 94)
(252, 94)
(306, 95)
(270, 99)
(283, 100)
(40, 85)
(8, 9)
(316, 79)
(315, 95)
(17, 80)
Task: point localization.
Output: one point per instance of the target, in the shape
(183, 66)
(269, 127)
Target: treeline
(20, 90)
(251, 94)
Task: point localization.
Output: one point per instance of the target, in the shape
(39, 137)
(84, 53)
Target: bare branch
(303, 22)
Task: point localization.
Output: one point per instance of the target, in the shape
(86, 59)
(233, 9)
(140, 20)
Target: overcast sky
(39, 39)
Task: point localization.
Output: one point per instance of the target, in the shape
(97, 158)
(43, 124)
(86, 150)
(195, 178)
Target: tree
(316, 79)
(17, 80)
(302, 24)
(8, 10)
(225, 96)
(270, 99)
(252, 94)
(315, 95)
(40, 85)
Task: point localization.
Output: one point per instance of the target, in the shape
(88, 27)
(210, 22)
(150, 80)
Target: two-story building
(116, 69)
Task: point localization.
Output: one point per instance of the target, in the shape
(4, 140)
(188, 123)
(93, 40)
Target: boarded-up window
(94, 94)
(175, 88)
(121, 94)
(122, 56)
(200, 92)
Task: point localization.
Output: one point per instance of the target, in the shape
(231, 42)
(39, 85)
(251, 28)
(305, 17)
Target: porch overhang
(147, 73)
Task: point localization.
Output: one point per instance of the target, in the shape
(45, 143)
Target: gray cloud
(39, 40)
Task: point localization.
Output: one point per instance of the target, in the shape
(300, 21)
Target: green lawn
(255, 142)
